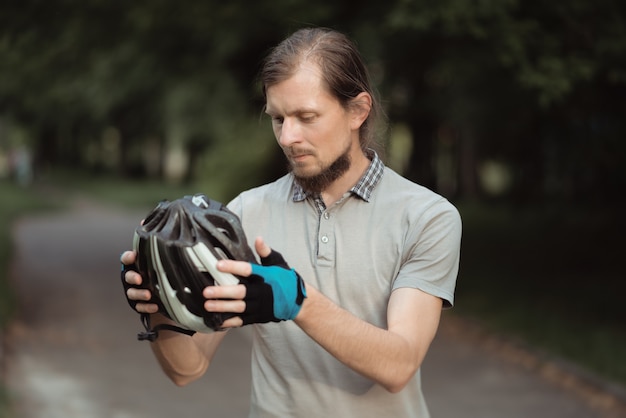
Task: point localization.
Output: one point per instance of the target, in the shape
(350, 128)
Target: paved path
(73, 353)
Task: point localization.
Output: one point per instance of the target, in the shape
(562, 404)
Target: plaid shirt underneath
(363, 188)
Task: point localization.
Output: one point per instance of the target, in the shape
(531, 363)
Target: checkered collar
(363, 188)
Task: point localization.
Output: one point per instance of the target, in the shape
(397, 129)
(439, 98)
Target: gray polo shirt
(385, 234)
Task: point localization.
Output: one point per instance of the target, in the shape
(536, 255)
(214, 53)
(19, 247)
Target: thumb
(262, 249)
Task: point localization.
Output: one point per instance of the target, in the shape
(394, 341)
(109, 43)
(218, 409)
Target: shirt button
(326, 215)
(324, 239)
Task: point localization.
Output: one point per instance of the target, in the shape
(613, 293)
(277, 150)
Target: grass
(550, 276)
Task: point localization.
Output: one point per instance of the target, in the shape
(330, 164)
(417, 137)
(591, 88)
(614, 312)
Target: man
(377, 255)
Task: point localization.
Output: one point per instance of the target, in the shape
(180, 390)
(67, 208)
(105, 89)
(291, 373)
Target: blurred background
(513, 110)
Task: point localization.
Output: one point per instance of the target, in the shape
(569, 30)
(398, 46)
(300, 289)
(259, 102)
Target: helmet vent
(221, 253)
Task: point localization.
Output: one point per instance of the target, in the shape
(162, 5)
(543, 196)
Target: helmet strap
(151, 334)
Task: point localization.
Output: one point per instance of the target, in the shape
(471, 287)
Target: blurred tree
(515, 81)
(535, 86)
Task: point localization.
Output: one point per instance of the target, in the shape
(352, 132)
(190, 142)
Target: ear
(360, 108)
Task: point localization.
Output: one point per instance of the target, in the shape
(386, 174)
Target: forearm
(183, 358)
(389, 357)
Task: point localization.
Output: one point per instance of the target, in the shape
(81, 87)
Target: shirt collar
(363, 188)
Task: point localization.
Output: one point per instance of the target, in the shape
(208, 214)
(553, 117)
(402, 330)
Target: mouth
(298, 156)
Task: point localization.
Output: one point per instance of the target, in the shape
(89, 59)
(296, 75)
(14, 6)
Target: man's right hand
(138, 298)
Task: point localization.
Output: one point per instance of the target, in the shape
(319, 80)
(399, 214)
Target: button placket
(326, 246)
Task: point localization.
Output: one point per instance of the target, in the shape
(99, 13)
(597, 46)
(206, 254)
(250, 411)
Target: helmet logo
(199, 201)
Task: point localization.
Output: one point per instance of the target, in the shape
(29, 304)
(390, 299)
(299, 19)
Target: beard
(317, 183)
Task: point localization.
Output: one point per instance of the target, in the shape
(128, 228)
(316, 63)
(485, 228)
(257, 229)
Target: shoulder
(279, 190)
(430, 229)
(398, 193)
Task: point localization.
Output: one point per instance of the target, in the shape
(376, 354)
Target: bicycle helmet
(177, 247)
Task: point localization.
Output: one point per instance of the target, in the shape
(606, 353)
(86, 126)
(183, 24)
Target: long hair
(343, 70)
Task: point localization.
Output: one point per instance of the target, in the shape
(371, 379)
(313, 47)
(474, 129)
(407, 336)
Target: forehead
(305, 89)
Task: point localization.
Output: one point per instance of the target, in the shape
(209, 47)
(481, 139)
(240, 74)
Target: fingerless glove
(133, 303)
(274, 292)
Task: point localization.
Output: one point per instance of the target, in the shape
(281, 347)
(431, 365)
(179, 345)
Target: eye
(277, 120)
(307, 117)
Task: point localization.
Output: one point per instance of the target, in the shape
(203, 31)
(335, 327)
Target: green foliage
(549, 276)
(527, 83)
(550, 47)
(537, 86)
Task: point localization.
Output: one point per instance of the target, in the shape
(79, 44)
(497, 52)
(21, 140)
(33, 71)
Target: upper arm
(414, 315)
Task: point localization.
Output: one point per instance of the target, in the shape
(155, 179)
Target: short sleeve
(432, 255)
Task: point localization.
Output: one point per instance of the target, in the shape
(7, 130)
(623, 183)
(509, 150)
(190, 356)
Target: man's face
(313, 129)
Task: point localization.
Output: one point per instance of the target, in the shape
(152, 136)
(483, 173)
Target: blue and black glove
(274, 291)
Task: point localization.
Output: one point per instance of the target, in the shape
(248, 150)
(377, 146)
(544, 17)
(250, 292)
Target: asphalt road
(73, 353)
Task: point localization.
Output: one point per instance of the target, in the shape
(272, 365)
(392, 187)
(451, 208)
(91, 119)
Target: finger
(234, 322)
(133, 278)
(237, 306)
(138, 294)
(262, 249)
(128, 257)
(225, 292)
(238, 268)
(147, 308)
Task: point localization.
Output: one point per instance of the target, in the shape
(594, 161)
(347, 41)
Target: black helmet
(177, 247)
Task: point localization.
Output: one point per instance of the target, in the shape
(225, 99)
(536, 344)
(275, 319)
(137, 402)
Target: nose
(289, 133)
